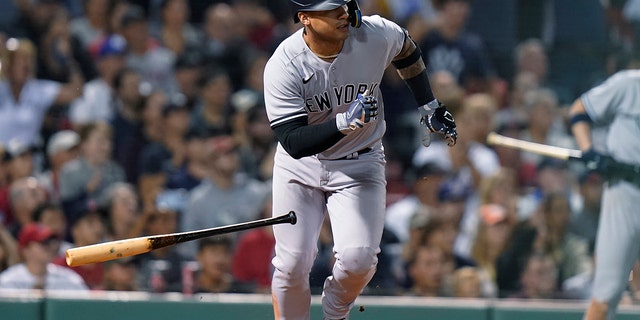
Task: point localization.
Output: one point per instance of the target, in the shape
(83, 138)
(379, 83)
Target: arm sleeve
(601, 101)
(301, 140)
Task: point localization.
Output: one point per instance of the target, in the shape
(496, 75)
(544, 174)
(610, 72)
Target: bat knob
(292, 217)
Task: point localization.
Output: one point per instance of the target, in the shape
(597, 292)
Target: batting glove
(362, 110)
(437, 119)
(596, 162)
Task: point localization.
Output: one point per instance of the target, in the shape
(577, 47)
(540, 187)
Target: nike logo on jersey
(304, 81)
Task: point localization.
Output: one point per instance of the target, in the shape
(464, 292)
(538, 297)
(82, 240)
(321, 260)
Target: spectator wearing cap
(235, 197)
(62, 147)
(158, 159)
(24, 99)
(85, 180)
(38, 246)
(96, 102)
(144, 54)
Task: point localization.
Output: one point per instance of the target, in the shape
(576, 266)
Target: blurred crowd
(124, 118)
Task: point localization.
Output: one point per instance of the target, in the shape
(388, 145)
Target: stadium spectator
(85, 180)
(38, 247)
(144, 54)
(8, 249)
(159, 159)
(226, 196)
(253, 253)
(427, 272)
(25, 195)
(539, 279)
(51, 216)
(214, 112)
(123, 209)
(25, 99)
(87, 229)
(128, 138)
(215, 257)
(466, 283)
(225, 43)
(62, 147)
(97, 100)
(174, 30)
(493, 233)
(93, 24)
(120, 275)
(449, 46)
(161, 269)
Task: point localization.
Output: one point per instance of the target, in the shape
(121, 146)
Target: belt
(356, 154)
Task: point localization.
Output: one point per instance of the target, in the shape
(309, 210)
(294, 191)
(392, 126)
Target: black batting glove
(597, 162)
(441, 121)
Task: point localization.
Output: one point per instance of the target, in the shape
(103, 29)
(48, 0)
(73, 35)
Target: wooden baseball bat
(538, 148)
(130, 247)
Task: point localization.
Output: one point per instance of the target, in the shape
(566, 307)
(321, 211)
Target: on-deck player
(323, 101)
(613, 104)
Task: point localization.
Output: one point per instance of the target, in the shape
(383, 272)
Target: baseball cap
(113, 45)
(492, 213)
(62, 141)
(34, 232)
(16, 148)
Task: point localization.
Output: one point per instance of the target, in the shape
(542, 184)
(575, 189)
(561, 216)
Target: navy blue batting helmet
(355, 17)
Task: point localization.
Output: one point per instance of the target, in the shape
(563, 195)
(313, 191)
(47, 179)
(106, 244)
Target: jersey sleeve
(394, 34)
(283, 98)
(602, 101)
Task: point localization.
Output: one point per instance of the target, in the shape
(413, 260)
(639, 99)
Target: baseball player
(613, 104)
(324, 104)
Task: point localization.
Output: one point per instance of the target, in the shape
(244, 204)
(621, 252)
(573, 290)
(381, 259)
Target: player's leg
(617, 246)
(357, 220)
(296, 247)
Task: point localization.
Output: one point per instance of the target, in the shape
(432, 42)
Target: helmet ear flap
(355, 15)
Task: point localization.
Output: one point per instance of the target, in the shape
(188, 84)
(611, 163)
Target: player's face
(332, 24)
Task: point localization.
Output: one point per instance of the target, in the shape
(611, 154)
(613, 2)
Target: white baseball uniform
(348, 185)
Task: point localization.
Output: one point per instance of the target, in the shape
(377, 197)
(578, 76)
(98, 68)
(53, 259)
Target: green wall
(138, 306)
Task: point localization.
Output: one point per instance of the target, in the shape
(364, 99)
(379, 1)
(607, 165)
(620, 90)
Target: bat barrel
(129, 247)
(107, 251)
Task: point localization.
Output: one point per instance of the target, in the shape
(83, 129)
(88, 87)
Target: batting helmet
(355, 16)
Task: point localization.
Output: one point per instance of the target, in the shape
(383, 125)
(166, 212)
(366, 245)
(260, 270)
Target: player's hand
(361, 111)
(596, 162)
(440, 121)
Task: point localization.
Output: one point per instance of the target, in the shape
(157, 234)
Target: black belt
(356, 154)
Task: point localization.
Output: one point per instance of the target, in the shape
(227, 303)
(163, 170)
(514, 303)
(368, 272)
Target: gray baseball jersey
(614, 104)
(299, 83)
(351, 191)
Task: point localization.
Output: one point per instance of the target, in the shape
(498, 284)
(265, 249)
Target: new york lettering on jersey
(343, 95)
